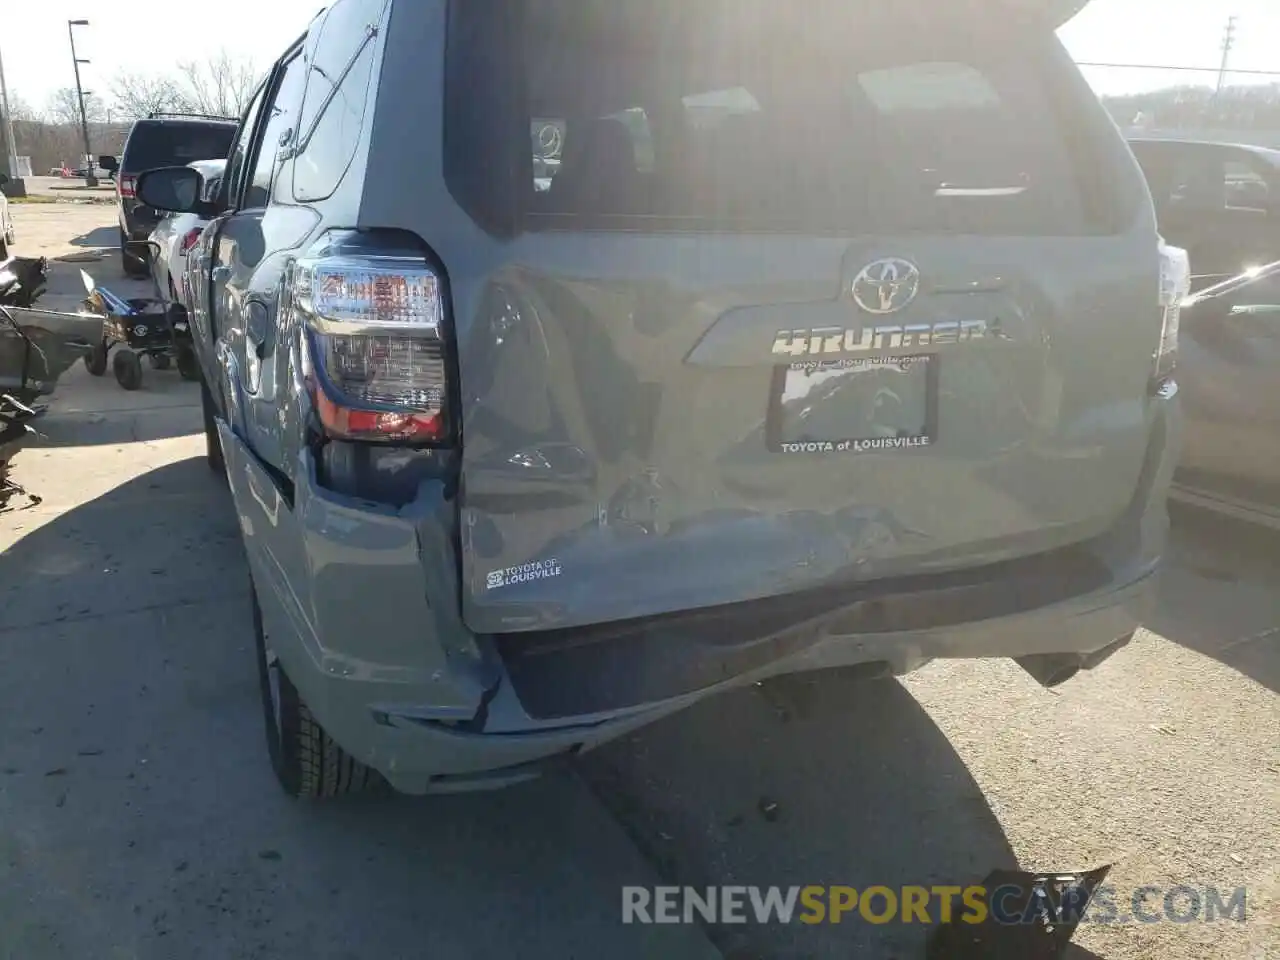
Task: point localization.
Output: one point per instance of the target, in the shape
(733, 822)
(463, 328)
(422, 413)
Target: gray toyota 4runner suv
(840, 334)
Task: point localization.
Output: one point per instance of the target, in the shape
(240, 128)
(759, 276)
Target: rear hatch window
(746, 116)
(155, 144)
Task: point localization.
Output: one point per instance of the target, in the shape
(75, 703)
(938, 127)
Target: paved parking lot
(138, 817)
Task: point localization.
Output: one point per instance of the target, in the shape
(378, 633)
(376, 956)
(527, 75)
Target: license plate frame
(848, 431)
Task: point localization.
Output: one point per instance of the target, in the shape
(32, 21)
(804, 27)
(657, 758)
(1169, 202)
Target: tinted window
(548, 145)
(1198, 177)
(755, 114)
(281, 121)
(337, 89)
(176, 143)
(1246, 188)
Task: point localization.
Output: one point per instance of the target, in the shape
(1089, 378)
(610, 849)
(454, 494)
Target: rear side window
(1201, 177)
(744, 115)
(1246, 187)
(277, 131)
(337, 90)
(176, 143)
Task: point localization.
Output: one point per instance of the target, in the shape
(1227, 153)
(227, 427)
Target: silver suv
(841, 335)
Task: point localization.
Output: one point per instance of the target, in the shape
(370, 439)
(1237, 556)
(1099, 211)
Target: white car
(176, 233)
(6, 224)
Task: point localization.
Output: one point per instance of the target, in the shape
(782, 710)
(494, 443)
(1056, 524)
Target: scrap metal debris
(1029, 916)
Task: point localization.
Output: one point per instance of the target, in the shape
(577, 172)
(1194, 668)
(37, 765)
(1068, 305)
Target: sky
(146, 36)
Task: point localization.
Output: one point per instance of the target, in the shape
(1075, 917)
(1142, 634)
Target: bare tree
(220, 85)
(64, 107)
(137, 95)
(21, 110)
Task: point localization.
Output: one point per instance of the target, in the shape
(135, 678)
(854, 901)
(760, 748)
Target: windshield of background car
(740, 115)
(175, 144)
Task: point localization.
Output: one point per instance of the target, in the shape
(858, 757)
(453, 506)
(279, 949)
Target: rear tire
(127, 368)
(305, 759)
(95, 361)
(134, 267)
(188, 366)
(212, 442)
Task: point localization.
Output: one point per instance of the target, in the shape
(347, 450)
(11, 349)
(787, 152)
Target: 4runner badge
(828, 341)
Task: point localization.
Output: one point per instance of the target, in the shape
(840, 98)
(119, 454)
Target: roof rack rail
(160, 114)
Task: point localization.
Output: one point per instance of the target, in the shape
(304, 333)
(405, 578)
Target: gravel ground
(138, 819)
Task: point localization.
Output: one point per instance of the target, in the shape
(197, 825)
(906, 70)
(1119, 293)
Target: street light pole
(89, 180)
(1228, 44)
(10, 151)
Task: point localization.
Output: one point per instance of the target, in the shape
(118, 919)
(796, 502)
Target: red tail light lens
(189, 240)
(378, 367)
(127, 187)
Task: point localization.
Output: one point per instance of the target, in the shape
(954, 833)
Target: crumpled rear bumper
(362, 604)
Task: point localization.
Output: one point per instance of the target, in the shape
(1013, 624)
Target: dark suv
(160, 140)
(812, 350)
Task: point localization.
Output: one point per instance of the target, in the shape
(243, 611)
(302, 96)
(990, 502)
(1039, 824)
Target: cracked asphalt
(138, 818)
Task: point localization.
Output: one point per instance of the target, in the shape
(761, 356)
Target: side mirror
(173, 190)
(109, 163)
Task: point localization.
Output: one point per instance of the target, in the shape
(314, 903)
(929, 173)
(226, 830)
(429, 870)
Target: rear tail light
(374, 335)
(189, 240)
(127, 187)
(1175, 285)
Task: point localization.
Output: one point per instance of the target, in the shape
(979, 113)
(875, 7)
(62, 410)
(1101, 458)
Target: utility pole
(89, 180)
(1228, 44)
(9, 151)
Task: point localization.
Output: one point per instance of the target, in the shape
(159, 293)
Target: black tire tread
(95, 361)
(212, 442)
(127, 368)
(327, 768)
(324, 768)
(308, 763)
(133, 266)
(187, 364)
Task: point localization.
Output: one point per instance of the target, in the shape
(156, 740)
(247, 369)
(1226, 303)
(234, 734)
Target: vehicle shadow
(138, 812)
(1219, 596)
(66, 289)
(98, 237)
(823, 779)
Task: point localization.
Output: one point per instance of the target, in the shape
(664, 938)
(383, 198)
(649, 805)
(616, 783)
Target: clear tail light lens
(127, 187)
(374, 330)
(1175, 286)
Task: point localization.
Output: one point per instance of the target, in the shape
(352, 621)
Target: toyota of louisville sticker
(522, 573)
